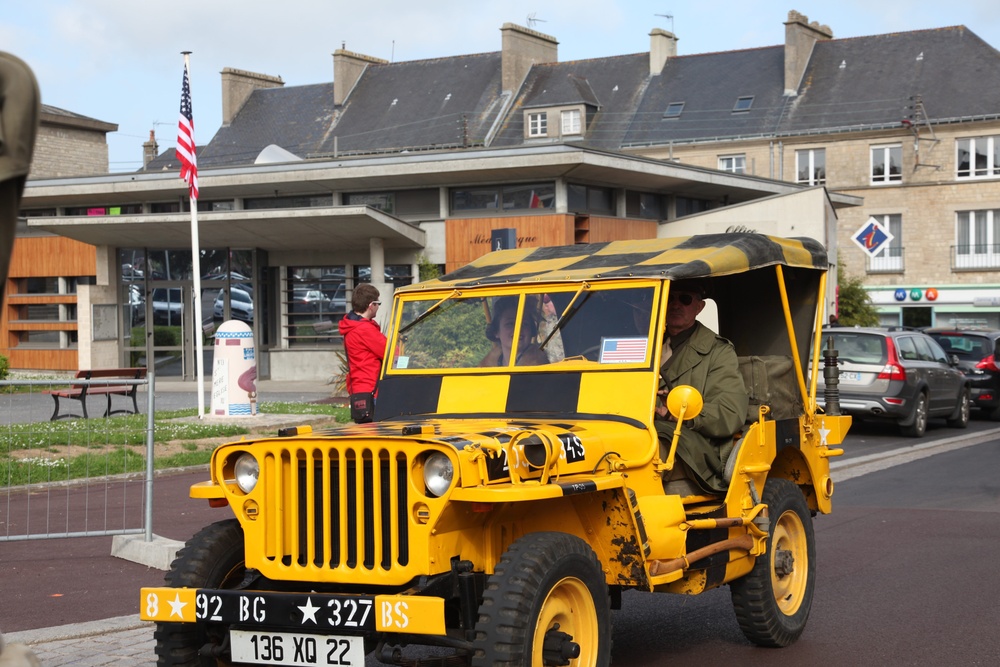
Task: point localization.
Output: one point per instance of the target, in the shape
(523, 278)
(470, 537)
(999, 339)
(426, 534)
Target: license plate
(850, 376)
(290, 648)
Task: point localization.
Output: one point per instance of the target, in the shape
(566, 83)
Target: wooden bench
(80, 392)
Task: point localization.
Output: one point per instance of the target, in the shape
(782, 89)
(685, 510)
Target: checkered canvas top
(698, 256)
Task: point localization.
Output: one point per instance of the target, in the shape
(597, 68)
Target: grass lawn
(75, 448)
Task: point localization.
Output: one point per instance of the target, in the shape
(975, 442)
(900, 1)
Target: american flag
(623, 350)
(185, 139)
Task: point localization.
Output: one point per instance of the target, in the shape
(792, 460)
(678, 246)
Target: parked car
(976, 350)
(306, 301)
(167, 306)
(899, 375)
(240, 304)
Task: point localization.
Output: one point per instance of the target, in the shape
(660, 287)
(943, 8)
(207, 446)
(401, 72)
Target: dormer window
(571, 121)
(674, 110)
(743, 103)
(538, 124)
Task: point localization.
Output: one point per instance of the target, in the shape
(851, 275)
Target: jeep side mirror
(683, 402)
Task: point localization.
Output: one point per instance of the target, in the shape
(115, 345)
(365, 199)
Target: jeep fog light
(438, 473)
(247, 471)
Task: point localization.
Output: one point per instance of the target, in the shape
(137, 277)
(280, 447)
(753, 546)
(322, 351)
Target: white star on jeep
(823, 432)
(177, 607)
(308, 611)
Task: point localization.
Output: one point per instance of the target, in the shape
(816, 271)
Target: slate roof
(297, 118)
(419, 105)
(447, 103)
(955, 73)
(612, 87)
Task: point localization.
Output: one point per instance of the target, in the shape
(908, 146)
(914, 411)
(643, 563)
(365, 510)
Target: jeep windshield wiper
(571, 308)
(424, 315)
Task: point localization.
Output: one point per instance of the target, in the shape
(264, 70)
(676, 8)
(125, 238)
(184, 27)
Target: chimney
(237, 85)
(662, 47)
(150, 149)
(347, 69)
(800, 37)
(522, 48)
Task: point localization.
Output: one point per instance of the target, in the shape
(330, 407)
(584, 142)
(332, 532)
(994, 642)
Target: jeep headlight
(438, 473)
(247, 471)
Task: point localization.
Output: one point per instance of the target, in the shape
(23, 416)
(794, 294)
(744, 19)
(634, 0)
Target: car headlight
(438, 473)
(247, 471)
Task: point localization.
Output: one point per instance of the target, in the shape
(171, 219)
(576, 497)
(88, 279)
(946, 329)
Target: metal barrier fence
(74, 477)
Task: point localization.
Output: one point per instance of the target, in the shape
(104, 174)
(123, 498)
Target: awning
(325, 229)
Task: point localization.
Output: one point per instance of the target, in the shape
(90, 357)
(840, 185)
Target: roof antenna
(668, 16)
(532, 20)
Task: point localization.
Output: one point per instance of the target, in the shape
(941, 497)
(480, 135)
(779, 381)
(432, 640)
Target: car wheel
(960, 418)
(918, 420)
(772, 602)
(546, 603)
(213, 558)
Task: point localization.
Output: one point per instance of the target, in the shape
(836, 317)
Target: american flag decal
(623, 350)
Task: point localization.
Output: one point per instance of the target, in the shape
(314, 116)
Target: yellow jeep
(497, 510)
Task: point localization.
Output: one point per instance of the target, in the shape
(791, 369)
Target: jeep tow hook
(558, 648)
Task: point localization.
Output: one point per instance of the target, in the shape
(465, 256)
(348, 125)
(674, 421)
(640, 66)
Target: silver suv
(899, 375)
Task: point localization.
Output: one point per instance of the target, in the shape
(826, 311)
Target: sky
(120, 61)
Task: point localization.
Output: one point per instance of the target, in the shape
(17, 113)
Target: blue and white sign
(873, 237)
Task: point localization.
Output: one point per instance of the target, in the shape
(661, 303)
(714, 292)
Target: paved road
(45, 592)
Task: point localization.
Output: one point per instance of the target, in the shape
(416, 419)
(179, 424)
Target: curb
(76, 630)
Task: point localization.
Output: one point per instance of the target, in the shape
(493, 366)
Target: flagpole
(196, 271)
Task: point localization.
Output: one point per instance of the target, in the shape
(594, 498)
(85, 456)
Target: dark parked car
(976, 350)
(903, 376)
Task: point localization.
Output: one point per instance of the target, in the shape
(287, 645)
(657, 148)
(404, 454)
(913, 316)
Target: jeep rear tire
(213, 558)
(547, 596)
(772, 602)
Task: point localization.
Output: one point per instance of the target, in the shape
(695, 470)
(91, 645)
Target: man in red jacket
(364, 344)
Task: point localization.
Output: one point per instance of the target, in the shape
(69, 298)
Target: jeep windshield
(576, 322)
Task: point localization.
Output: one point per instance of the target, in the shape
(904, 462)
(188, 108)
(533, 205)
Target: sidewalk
(123, 640)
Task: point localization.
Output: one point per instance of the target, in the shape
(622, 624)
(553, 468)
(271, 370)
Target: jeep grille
(342, 509)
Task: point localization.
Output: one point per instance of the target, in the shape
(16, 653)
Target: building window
(887, 164)
(538, 124)
(383, 201)
(313, 301)
(674, 110)
(977, 239)
(590, 199)
(689, 206)
(504, 197)
(571, 121)
(303, 201)
(890, 258)
(118, 209)
(978, 157)
(645, 205)
(734, 164)
(743, 103)
(810, 166)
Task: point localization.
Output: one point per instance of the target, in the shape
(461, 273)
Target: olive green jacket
(708, 363)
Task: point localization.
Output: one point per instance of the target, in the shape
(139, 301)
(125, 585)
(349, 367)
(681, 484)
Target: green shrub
(4, 367)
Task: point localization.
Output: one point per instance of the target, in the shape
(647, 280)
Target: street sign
(873, 237)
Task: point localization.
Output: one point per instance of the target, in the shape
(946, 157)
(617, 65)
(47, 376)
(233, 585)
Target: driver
(694, 355)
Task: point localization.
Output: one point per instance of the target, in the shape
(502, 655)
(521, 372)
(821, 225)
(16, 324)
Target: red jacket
(365, 347)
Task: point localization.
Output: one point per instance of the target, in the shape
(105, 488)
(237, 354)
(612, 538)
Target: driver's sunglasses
(685, 299)
(377, 303)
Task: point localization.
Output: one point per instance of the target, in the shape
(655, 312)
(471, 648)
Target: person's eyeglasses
(377, 303)
(685, 299)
